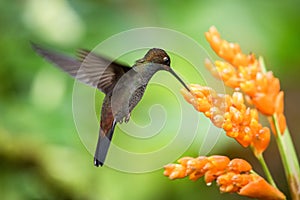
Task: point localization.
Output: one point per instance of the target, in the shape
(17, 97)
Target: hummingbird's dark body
(123, 86)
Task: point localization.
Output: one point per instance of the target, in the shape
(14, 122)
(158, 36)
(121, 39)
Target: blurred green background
(41, 155)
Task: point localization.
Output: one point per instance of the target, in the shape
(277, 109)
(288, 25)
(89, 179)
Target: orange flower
(229, 51)
(231, 114)
(245, 72)
(231, 176)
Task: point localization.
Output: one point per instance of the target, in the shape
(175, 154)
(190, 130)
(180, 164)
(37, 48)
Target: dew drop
(209, 184)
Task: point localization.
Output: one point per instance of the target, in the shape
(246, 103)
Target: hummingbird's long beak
(178, 78)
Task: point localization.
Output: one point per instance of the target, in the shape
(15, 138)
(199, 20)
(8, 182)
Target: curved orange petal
(261, 140)
(239, 165)
(260, 189)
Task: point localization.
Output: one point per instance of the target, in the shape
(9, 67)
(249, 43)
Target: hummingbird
(122, 85)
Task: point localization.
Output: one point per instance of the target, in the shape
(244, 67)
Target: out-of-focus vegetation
(41, 155)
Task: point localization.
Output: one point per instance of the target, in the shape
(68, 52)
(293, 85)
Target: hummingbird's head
(159, 56)
(156, 55)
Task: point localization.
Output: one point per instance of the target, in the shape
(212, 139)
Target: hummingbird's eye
(166, 60)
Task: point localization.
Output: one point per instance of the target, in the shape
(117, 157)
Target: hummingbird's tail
(103, 145)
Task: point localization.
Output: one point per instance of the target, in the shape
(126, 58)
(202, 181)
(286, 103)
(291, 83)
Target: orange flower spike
(227, 112)
(231, 52)
(244, 71)
(231, 176)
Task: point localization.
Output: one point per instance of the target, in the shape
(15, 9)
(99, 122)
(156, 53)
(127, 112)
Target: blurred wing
(100, 72)
(66, 63)
(90, 69)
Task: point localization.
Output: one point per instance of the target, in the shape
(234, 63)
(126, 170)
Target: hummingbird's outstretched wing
(95, 66)
(90, 68)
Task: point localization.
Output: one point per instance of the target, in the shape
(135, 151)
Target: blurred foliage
(41, 155)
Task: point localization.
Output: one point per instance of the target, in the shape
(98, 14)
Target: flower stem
(287, 152)
(266, 170)
(289, 159)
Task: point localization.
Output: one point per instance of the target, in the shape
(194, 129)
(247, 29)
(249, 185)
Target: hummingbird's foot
(97, 163)
(127, 118)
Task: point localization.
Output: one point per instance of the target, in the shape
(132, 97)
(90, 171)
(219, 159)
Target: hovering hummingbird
(122, 85)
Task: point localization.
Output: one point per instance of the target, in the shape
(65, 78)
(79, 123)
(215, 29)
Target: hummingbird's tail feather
(103, 145)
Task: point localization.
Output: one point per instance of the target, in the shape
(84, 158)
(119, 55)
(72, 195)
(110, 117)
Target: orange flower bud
(248, 87)
(175, 171)
(187, 96)
(233, 82)
(279, 105)
(239, 166)
(281, 122)
(213, 70)
(260, 189)
(264, 103)
(184, 160)
(219, 162)
(261, 140)
(274, 83)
